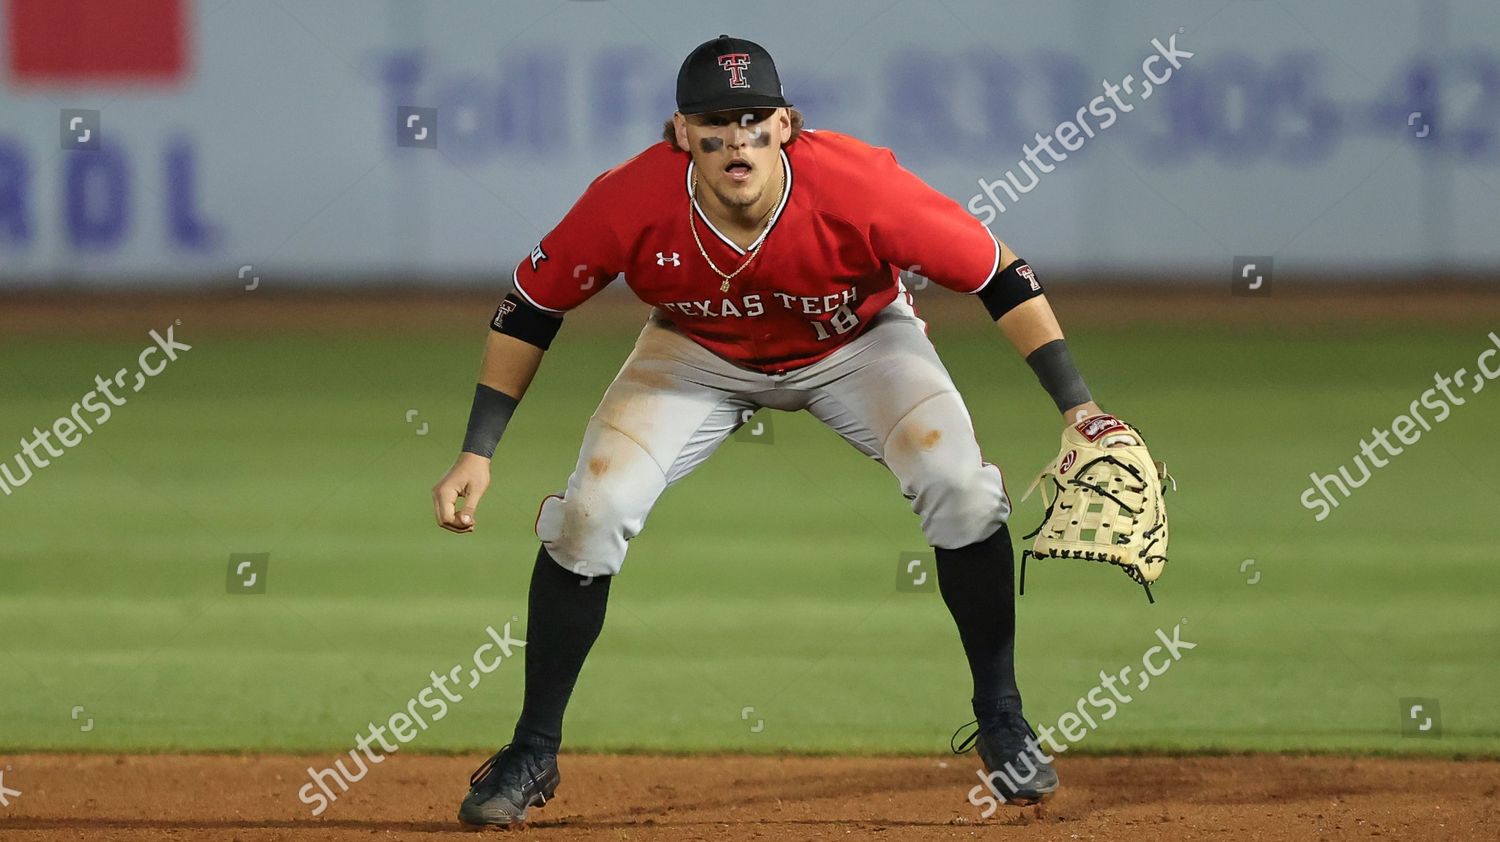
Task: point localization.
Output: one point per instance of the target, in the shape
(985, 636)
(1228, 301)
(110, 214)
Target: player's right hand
(467, 479)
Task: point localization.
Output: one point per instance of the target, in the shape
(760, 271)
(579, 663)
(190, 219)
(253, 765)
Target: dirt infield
(93, 797)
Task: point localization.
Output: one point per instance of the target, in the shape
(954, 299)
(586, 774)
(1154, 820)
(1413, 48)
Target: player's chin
(746, 192)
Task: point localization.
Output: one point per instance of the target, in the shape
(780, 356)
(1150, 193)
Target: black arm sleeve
(1008, 288)
(1054, 367)
(488, 418)
(515, 317)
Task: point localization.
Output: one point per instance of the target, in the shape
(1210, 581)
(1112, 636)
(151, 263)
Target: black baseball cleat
(505, 786)
(1018, 769)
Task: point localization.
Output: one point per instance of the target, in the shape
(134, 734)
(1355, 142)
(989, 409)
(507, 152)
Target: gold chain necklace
(692, 226)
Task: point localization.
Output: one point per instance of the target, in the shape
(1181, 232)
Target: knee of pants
(961, 504)
(587, 530)
(612, 489)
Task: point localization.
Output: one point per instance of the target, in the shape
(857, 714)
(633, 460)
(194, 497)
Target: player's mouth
(739, 170)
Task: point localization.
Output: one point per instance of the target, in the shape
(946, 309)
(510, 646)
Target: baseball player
(771, 255)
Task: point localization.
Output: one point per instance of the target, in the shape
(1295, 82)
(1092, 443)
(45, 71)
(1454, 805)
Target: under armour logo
(537, 256)
(662, 259)
(736, 63)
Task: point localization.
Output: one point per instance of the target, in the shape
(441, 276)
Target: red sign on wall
(97, 41)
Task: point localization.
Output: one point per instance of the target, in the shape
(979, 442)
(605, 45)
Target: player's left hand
(1104, 500)
(1080, 412)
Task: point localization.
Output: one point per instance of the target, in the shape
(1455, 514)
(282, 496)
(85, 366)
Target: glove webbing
(1095, 520)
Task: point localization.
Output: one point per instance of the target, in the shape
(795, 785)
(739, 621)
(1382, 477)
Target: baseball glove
(1104, 501)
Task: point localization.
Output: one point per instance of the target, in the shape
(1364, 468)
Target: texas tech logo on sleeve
(736, 63)
(505, 309)
(1025, 271)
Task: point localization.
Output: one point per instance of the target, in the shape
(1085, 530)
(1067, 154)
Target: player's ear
(783, 123)
(680, 124)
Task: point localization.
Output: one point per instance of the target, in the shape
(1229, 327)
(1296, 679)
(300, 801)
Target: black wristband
(1009, 287)
(488, 417)
(515, 317)
(1054, 367)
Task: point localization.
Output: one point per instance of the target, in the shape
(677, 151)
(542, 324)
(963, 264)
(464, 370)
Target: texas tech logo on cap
(736, 63)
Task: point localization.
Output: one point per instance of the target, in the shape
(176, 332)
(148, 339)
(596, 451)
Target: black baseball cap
(728, 73)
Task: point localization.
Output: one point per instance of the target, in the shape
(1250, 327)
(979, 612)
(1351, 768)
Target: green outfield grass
(767, 580)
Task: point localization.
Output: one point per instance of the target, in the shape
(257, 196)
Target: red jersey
(850, 220)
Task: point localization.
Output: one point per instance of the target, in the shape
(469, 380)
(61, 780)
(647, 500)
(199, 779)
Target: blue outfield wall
(1154, 138)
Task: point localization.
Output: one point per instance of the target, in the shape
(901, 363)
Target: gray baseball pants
(674, 402)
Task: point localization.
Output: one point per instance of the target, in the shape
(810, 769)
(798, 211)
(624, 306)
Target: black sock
(977, 583)
(564, 613)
